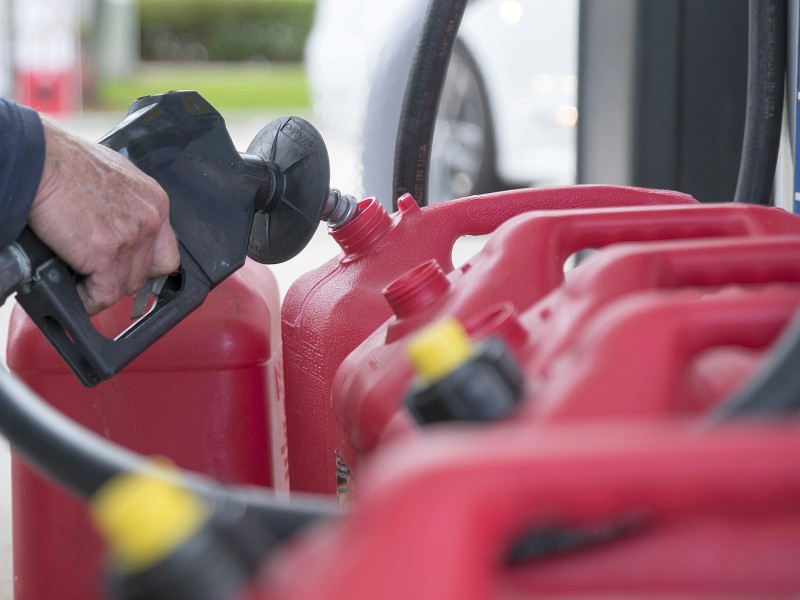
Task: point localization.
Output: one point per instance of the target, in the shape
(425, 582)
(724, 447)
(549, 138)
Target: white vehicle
(508, 111)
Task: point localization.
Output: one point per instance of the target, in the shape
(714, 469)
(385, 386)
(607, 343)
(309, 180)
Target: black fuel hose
(412, 155)
(82, 461)
(774, 390)
(766, 68)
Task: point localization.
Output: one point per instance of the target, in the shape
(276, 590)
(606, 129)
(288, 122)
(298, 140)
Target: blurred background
(342, 63)
(63, 56)
(661, 100)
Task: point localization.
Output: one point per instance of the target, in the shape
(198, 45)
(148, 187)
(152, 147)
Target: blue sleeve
(21, 164)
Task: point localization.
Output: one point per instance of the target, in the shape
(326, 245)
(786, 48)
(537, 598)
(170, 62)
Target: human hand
(103, 216)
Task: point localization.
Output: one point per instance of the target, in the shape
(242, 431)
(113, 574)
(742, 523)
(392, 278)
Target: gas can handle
(552, 237)
(627, 269)
(613, 374)
(703, 263)
(481, 215)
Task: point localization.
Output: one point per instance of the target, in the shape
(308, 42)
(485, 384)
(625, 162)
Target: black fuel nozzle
(339, 209)
(458, 381)
(266, 203)
(295, 196)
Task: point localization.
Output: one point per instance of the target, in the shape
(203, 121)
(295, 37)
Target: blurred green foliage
(231, 30)
(226, 86)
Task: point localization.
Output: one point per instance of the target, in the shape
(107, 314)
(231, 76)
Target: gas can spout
(339, 209)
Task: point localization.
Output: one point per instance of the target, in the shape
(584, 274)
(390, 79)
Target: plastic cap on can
(144, 518)
(439, 349)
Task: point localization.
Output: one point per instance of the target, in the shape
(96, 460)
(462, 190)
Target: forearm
(22, 154)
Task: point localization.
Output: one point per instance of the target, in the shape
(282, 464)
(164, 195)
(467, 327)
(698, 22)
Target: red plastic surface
(559, 319)
(631, 360)
(716, 514)
(718, 372)
(56, 92)
(329, 311)
(522, 262)
(561, 316)
(208, 395)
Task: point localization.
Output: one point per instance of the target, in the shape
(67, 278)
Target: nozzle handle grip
(53, 304)
(181, 141)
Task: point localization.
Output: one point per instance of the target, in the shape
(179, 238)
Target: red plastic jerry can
(599, 510)
(208, 396)
(329, 311)
(521, 263)
(631, 359)
(554, 323)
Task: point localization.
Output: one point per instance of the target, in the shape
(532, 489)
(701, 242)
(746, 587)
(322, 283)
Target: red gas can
(370, 384)
(600, 510)
(554, 323)
(329, 311)
(609, 372)
(208, 396)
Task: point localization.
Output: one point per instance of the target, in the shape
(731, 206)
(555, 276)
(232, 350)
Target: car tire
(463, 151)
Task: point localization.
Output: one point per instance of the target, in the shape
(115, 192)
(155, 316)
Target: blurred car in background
(508, 109)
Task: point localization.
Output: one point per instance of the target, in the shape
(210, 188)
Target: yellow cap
(144, 518)
(439, 349)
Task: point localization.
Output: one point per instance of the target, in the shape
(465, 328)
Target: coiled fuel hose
(82, 462)
(421, 98)
(766, 68)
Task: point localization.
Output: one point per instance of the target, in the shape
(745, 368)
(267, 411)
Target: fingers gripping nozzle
(224, 205)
